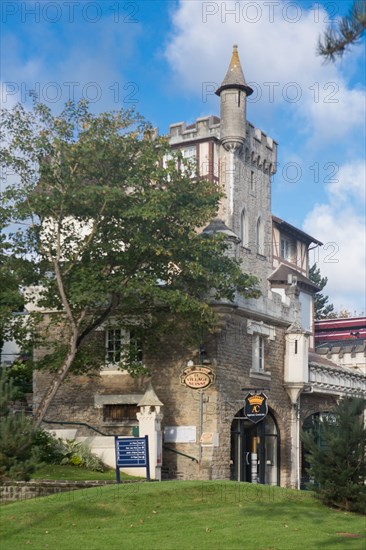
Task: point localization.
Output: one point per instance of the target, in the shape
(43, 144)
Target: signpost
(132, 452)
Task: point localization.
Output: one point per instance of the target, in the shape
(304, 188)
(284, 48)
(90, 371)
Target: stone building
(343, 341)
(263, 347)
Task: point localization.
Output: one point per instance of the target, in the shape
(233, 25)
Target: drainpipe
(298, 472)
(200, 426)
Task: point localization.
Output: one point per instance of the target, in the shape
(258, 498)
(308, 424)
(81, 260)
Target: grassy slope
(179, 516)
(73, 473)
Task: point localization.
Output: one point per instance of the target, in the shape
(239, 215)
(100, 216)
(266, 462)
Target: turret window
(244, 229)
(260, 237)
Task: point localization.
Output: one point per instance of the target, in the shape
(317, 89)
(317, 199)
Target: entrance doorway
(254, 450)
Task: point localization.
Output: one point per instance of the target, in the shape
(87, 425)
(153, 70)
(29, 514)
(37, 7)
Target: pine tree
(18, 454)
(336, 453)
(322, 310)
(348, 31)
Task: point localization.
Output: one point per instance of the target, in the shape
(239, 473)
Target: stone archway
(255, 455)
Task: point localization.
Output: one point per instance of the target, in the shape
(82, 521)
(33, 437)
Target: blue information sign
(132, 452)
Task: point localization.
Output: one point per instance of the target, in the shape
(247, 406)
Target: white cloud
(338, 115)
(340, 225)
(326, 121)
(276, 54)
(349, 182)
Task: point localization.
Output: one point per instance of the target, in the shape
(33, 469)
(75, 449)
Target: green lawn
(180, 515)
(73, 473)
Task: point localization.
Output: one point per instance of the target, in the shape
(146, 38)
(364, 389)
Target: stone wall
(235, 360)
(11, 491)
(75, 401)
(230, 352)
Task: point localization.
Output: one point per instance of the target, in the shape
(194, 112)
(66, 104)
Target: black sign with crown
(256, 407)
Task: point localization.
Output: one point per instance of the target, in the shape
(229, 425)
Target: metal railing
(179, 453)
(76, 424)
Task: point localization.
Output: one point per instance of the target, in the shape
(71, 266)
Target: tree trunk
(55, 383)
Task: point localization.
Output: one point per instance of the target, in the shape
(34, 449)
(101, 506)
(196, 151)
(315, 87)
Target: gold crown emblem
(255, 400)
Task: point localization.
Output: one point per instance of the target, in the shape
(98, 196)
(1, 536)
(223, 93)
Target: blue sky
(165, 58)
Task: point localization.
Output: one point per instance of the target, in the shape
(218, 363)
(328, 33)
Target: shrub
(79, 454)
(89, 460)
(19, 457)
(50, 448)
(336, 454)
(21, 374)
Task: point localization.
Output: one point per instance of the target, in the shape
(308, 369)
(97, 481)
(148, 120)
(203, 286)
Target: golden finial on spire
(234, 77)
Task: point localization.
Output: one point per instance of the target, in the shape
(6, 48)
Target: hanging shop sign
(197, 377)
(255, 407)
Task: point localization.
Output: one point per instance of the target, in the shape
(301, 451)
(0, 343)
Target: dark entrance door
(254, 450)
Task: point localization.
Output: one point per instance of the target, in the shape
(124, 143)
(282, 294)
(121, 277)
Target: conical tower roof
(235, 77)
(218, 226)
(149, 398)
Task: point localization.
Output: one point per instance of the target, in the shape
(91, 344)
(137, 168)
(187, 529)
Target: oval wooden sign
(197, 377)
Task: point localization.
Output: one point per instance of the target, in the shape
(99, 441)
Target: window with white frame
(258, 353)
(166, 159)
(122, 345)
(116, 338)
(287, 250)
(189, 152)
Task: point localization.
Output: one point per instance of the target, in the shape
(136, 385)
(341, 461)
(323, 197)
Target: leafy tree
(19, 456)
(15, 271)
(322, 310)
(21, 374)
(348, 31)
(11, 299)
(107, 220)
(336, 453)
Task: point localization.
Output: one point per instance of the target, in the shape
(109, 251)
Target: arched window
(244, 230)
(260, 237)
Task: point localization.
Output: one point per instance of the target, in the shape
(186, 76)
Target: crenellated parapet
(202, 128)
(260, 150)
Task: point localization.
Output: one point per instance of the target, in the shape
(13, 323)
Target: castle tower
(233, 93)
(247, 161)
(240, 159)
